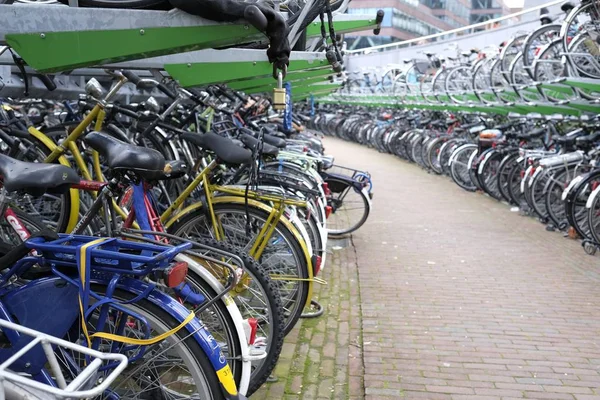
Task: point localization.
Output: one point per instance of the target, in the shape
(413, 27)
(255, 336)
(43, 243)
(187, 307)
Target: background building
(408, 19)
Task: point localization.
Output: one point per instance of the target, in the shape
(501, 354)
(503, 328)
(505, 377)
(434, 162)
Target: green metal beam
(315, 88)
(60, 51)
(198, 74)
(300, 86)
(316, 95)
(291, 77)
(341, 27)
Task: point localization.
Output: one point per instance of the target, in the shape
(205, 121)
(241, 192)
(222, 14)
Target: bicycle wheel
(536, 194)
(177, 367)
(576, 202)
(257, 297)
(351, 207)
(503, 176)
(459, 166)
(282, 255)
(554, 202)
(13, 228)
(55, 210)
(433, 151)
(515, 176)
(593, 215)
(488, 172)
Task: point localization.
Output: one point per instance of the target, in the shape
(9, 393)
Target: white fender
(573, 182)
(235, 314)
(593, 195)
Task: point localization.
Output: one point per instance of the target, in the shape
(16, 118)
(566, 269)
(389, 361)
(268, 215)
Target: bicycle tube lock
(279, 94)
(378, 21)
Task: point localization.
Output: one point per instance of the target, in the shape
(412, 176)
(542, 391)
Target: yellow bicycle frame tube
(74, 211)
(287, 223)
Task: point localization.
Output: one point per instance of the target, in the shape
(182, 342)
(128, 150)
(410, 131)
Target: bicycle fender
(197, 330)
(527, 173)
(592, 197)
(570, 186)
(234, 312)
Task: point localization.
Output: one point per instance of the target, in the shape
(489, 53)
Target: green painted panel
(60, 51)
(291, 77)
(555, 87)
(197, 74)
(316, 95)
(594, 87)
(303, 84)
(314, 29)
(593, 108)
(315, 88)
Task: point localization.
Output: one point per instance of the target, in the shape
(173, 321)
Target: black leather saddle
(225, 149)
(120, 156)
(35, 178)
(252, 143)
(275, 141)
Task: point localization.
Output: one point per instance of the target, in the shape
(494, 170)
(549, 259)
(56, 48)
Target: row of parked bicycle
(161, 251)
(528, 67)
(545, 165)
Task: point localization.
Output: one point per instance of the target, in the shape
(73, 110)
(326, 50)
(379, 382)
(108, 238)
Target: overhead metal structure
(74, 44)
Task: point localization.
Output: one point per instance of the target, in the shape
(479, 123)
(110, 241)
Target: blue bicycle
(110, 295)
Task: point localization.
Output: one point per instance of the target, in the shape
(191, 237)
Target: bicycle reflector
(175, 274)
(316, 262)
(253, 326)
(328, 210)
(326, 189)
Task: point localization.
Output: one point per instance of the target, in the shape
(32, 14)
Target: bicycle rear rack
(13, 385)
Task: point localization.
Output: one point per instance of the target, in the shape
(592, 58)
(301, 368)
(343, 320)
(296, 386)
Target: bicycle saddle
(35, 178)
(252, 143)
(533, 134)
(144, 162)
(588, 139)
(225, 149)
(275, 141)
(570, 138)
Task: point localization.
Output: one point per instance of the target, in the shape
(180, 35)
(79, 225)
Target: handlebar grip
(226, 93)
(243, 98)
(253, 15)
(47, 81)
(163, 88)
(131, 77)
(333, 60)
(378, 21)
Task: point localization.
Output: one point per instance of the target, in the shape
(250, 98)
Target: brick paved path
(460, 299)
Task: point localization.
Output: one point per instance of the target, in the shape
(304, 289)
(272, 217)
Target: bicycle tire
(342, 186)
(58, 219)
(462, 179)
(488, 175)
(157, 316)
(504, 169)
(198, 218)
(272, 302)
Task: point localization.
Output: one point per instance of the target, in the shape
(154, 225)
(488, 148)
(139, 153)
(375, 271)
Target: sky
(513, 3)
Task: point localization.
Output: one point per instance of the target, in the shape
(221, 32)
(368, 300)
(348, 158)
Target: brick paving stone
(456, 289)
(446, 295)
